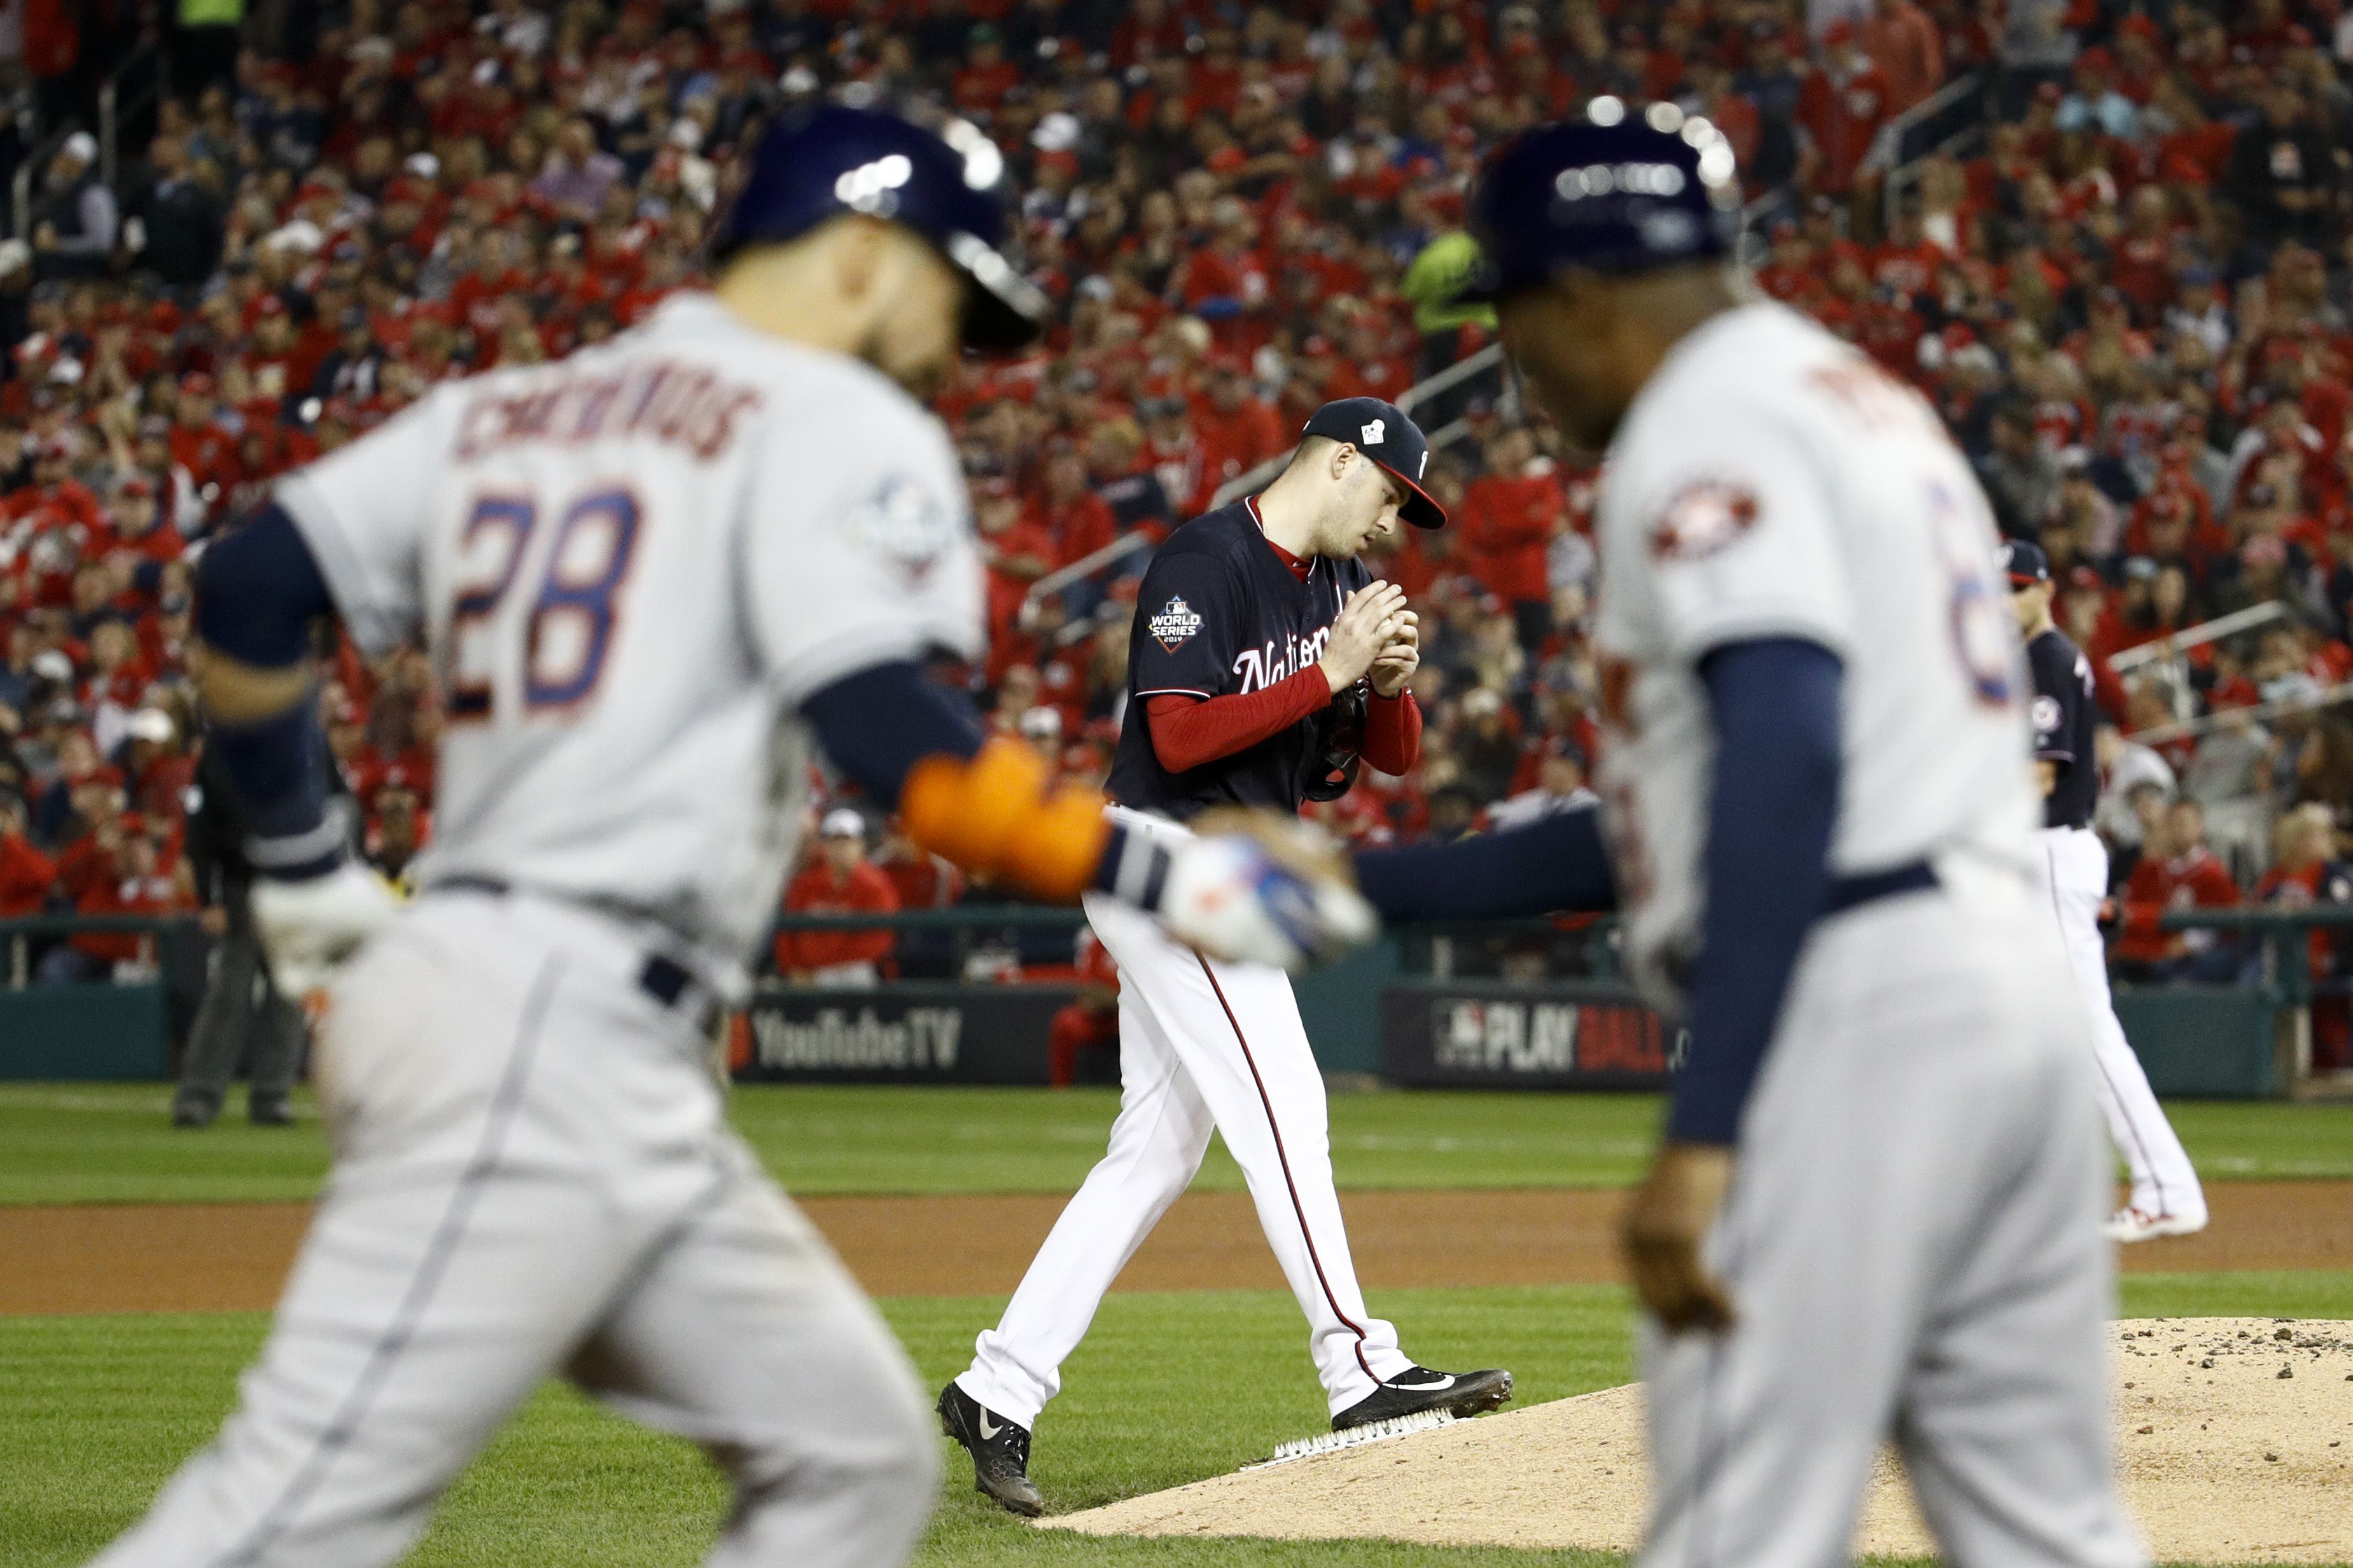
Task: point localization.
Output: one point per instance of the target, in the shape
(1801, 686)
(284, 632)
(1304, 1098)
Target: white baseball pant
(1913, 1249)
(2074, 877)
(1202, 1046)
(534, 1176)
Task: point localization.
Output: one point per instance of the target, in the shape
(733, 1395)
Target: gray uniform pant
(533, 1177)
(1914, 1251)
(242, 1020)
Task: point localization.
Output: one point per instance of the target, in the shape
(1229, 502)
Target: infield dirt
(2234, 1438)
(232, 1257)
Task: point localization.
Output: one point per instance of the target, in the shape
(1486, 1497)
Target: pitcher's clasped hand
(1365, 625)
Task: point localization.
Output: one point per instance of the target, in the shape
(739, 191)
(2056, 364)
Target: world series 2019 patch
(1174, 625)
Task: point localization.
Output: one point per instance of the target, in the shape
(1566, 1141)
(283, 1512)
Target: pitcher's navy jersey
(2064, 722)
(1219, 613)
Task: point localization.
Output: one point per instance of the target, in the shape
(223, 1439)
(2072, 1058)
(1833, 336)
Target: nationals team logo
(1174, 625)
(1703, 519)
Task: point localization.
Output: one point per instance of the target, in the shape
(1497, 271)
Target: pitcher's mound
(2235, 1437)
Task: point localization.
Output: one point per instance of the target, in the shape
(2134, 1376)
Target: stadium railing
(2250, 1036)
(119, 98)
(2254, 1034)
(132, 89)
(2215, 631)
(1945, 121)
(2250, 1039)
(158, 933)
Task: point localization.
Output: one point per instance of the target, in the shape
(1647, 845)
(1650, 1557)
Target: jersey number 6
(1982, 633)
(570, 628)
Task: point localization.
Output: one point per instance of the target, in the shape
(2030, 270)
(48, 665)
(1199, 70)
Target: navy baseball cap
(1621, 191)
(947, 184)
(2024, 564)
(1382, 432)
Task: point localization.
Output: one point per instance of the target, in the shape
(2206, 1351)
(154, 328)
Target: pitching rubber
(1355, 1437)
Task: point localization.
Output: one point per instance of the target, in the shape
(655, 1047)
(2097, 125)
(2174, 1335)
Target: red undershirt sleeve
(1392, 733)
(1188, 731)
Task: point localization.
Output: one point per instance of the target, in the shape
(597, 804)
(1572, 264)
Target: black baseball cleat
(1417, 1389)
(999, 1451)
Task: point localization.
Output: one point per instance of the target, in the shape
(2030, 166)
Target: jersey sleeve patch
(1702, 519)
(906, 522)
(1173, 625)
(2047, 715)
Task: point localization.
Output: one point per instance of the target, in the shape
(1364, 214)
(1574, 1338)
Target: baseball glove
(1330, 768)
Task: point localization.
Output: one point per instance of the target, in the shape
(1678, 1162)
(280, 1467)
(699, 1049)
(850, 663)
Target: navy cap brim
(1418, 509)
(1004, 311)
(1484, 286)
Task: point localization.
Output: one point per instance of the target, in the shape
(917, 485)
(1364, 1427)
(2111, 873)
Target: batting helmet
(1612, 193)
(945, 184)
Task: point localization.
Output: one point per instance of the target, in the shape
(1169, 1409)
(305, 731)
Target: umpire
(243, 1019)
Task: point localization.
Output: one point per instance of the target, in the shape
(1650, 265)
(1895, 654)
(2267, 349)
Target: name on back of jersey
(681, 405)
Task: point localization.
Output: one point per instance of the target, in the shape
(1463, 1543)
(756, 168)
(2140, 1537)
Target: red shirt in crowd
(1507, 521)
(115, 895)
(1023, 540)
(819, 891)
(2300, 888)
(1232, 443)
(923, 881)
(1843, 114)
(2196, 881)
(26, 875)
(1080, 526)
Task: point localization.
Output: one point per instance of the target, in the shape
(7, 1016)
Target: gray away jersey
(1770, 481)
(629, 567)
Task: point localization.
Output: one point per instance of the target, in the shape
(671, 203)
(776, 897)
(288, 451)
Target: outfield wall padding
(101, 1031)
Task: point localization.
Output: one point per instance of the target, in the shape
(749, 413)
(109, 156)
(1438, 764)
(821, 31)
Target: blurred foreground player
(1875, 1212)
(649, 576)
(2167, 1199)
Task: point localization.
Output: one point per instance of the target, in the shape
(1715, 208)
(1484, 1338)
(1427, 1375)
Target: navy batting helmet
(1616, 193)
(945, 184)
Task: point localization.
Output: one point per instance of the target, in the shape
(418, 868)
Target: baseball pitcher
(651, 576)
(1265, 659)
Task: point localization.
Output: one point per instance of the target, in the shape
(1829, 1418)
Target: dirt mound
(2234, 1435)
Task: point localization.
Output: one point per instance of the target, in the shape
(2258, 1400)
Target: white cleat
(2129, 1224)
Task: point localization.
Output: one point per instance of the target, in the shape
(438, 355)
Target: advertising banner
(914, 1032)
(1490, 1033)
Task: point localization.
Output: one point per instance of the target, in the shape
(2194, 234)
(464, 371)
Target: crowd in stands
(2125, 283)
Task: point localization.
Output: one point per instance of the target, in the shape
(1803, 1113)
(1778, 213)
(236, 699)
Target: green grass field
(111, 1142)
(96, 1412)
